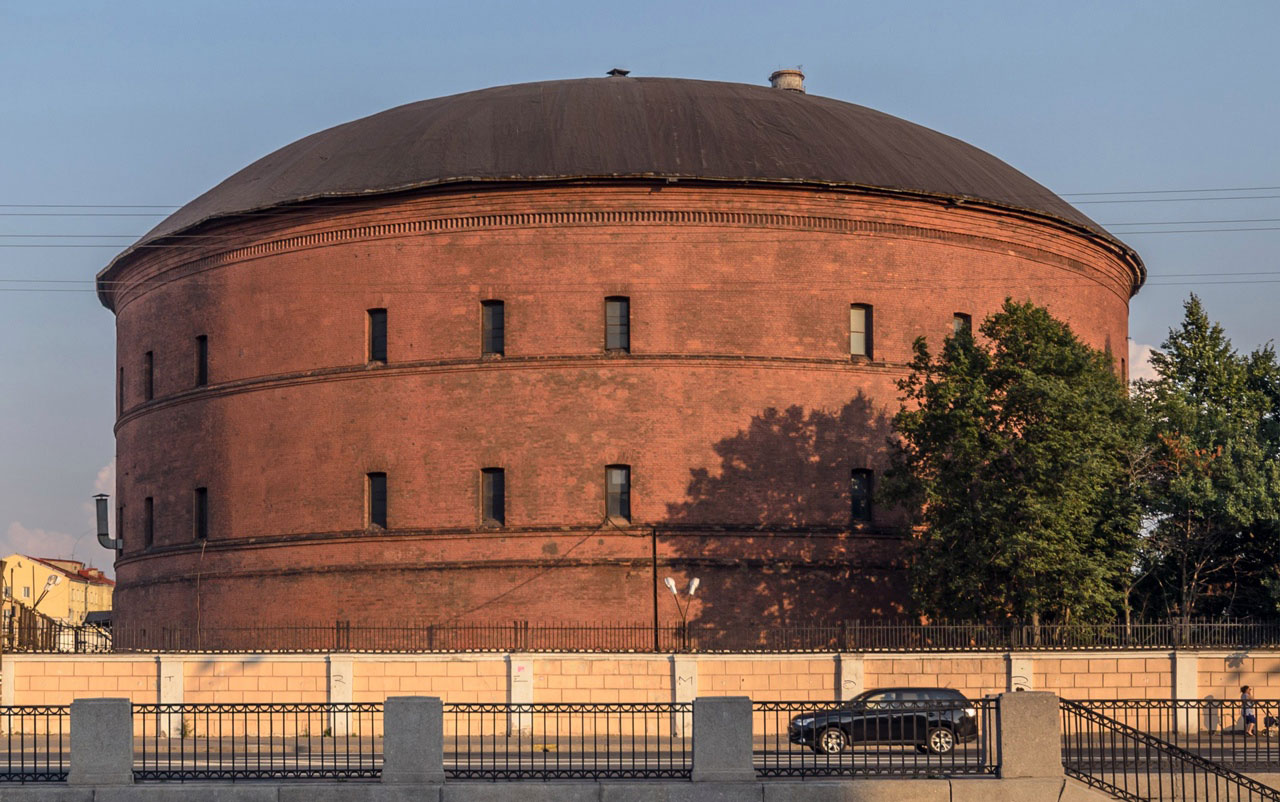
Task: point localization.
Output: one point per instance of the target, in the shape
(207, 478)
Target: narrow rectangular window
(860, 330)
(617, 485)
(377, 499)
(960, 322)
(120, 525)
(202, 360)
(201, 513)
(148, 522)
(148, 376)
(493, 491)
(860, 495)
(377, 335)
(617, 324)
(120, 393)
(492, 340)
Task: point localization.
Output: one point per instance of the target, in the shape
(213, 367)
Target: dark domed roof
(611, 128)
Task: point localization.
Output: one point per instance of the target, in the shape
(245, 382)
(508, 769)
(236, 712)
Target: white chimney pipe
(791, 80)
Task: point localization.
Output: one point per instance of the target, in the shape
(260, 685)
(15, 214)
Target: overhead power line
(576, 241)
(345, 201)
(1059, 194)
(1169, 191)
(352, 205)
(661, 287)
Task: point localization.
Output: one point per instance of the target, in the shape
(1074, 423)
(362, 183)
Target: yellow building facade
(65, 590)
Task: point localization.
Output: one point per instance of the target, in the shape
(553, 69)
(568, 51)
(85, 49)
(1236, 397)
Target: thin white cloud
(1140, 361)
(36, 542)
(106, 480)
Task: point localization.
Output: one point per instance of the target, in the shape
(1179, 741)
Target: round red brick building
(523, 353)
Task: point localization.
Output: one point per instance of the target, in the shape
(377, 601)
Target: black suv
(930, 719)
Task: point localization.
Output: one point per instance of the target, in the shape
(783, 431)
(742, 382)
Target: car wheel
(831, 741)
(940, 741)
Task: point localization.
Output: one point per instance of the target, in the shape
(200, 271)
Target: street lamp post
(683, 608)
(50, 583)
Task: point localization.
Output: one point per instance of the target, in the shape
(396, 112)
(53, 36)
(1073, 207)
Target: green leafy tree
(1263, 598)
(1015, 453)
(1211, 527)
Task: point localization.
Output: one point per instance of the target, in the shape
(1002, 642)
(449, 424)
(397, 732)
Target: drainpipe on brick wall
(654, 542)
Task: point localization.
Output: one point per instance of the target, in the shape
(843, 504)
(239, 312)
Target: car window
(913, 696)
(879, 699)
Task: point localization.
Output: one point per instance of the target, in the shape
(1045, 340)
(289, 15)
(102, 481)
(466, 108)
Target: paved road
(578, 754)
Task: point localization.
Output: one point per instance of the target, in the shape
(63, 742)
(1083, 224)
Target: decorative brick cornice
(164, 271)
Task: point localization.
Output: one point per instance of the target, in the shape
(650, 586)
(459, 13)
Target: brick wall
(738, 409)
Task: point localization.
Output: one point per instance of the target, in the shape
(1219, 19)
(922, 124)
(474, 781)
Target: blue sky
(154, 102)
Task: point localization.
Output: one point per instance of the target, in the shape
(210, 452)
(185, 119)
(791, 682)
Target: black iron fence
(37, 743)
(568, 741)
(1213, 728)
(257, 741)
(847, 636)
(25, 630)
(1131, 764)
(890, 738)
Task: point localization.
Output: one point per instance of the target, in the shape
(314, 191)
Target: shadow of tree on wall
(769, 534)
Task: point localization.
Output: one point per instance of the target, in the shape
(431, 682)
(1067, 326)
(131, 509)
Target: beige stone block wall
(974, 676)
(604, 679)
(255, 680)
(478, 678)
(769, 678)
(58, 680)
(1102, 677)
(1222, 675)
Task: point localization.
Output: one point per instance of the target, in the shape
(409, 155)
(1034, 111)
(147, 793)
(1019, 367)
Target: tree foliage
(1209, 498)
(1016, 453)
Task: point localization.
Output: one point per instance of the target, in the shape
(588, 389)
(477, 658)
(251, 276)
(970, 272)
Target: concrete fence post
(413, 740)
(1186, 685)
(101, 742)
(340, 671)
(852, 675)
(722, 739)
(519, 692)
(1029, 731)
(684, 688)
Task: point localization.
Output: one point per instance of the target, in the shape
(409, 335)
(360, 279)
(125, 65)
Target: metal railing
(1212, 728)
(37, 743)
(25, 630)
(903, 739)
(524, 636)
(257, 741)
(1131, 764)
(568, 741)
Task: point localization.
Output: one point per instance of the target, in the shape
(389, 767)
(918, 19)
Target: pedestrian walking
(1247, 711)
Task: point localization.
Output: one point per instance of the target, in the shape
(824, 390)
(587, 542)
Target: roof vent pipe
(104, 534)
(791, 80)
